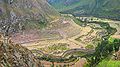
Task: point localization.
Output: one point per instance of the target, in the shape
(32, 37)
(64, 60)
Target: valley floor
(69, 35)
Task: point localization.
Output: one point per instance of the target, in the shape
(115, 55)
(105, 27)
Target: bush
(89, 47)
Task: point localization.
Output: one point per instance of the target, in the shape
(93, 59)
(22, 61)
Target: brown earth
(116, 36)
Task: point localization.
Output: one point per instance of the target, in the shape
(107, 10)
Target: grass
(89, 47)
(58, 47)
(55, 47)
(35, 24)
(109, 63)
(77, 21)
(111, 40)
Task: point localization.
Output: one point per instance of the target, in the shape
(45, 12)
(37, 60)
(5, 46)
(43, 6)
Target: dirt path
(116, 36)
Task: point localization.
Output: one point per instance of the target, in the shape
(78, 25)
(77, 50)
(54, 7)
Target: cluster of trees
(60, 59)
(106, 47)
(103, 50)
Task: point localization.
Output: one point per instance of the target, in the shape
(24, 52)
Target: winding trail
(78, 50)
(88, 51)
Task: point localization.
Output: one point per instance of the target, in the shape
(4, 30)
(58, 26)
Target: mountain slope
(32, 14)
(30, 9)
(14, 55)
(99, 8)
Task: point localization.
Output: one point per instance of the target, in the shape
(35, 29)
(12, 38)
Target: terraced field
(68, 35)
(115, 24)
(68, 32)
(57, 39)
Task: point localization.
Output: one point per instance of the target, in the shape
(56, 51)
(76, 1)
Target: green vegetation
(99, 8)
(89, 47)
(42, 24)
(60, 46)
(77, 54)
(63, 5)
(55, 48)
(60, 59)
(111, 39)
(35, 24)
(103, 50)
(106, 47)
(77, 21)
(109, 63)
(106, 26)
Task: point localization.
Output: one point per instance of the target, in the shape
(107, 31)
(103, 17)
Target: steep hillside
(29, 9)
(98, 8)
(31, 13)
(14, 55)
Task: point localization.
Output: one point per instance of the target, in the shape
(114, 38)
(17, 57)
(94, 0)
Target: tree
(116, 44)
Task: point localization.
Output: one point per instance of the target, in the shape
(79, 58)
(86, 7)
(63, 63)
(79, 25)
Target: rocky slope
(14, 55)
(37, 9)
(98, 8)
(32, 14)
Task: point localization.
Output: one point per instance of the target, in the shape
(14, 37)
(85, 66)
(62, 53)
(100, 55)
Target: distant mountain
(99, 8)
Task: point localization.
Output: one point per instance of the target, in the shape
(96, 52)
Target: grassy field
(55, 48)
(110, 63)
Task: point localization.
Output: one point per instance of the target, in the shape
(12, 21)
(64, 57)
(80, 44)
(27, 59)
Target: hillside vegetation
(98, 8)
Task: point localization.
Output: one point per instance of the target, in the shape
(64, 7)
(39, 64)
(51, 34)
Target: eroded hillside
(26, 14)
(14, 55)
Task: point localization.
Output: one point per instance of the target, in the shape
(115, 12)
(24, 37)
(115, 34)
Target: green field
(109, 63)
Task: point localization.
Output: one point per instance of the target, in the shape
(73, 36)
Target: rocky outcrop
(29, 9)
(26, 14)
(14, 55)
